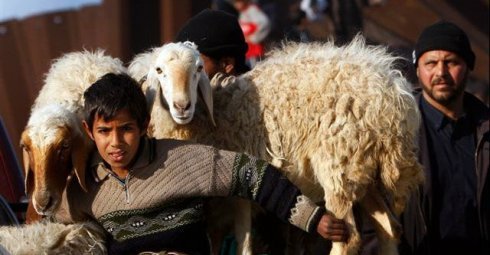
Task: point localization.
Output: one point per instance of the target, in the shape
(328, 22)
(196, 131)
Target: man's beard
(449, 96)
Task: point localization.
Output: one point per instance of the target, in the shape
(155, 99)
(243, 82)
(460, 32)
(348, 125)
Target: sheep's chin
(182, 120)
(46, 211)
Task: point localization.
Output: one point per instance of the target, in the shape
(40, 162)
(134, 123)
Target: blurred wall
(127, 27)
(121, 27)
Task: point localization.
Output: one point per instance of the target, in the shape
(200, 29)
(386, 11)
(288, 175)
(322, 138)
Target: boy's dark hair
(112, 93)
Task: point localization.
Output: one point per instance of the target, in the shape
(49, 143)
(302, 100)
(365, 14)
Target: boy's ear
(145, 126)
(87, 130)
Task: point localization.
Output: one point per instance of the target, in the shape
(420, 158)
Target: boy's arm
(259, 181)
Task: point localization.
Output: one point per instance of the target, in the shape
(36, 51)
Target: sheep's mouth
(48, 208)
(182, 119)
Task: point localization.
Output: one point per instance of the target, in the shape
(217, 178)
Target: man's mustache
(439, 80)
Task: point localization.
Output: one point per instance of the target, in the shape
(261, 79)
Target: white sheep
(53, 141)
(173, 73)
(338, 120)
(178, 68)
(53, 238)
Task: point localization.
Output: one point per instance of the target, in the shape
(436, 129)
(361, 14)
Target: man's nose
(441, 68)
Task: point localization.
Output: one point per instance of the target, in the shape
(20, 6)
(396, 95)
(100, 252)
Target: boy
(147, 194)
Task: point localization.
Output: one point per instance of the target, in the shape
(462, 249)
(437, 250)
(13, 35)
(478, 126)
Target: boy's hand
(332, 229)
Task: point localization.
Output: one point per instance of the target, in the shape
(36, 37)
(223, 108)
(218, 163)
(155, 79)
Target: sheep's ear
(206, 94)
(29, 183)
(79, 156)
(190, 44)
(150, 94)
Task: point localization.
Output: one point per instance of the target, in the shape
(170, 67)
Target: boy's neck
(120, 172)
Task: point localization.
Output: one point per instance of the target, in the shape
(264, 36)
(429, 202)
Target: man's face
(211, 66)
(442, 75)
(225, 65)
(117, 139)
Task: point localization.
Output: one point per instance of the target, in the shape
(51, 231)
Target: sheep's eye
(24, 147)
(65, 145)
(199, 68)
(159, 70)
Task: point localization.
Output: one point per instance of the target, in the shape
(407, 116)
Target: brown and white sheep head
(53, 145)
(179, 73)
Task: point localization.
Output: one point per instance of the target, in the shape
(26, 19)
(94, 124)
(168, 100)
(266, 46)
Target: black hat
(216, 34)
(444, 35)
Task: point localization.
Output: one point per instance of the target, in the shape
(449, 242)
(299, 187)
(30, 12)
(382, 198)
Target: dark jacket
(416, 218)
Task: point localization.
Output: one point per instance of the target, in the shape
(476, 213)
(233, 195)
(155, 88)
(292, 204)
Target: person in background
(148, 194)
(450, 214)
(299, 31)
(314, 9)
(220, 41)
(224, 5)
(255, 26)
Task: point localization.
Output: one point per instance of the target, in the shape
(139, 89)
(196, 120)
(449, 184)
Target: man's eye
(127, 128)
(430, 64)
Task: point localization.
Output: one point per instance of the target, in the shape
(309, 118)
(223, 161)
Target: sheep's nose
(44, 203)
(182, 106)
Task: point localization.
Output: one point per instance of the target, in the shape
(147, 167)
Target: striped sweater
(159, 206)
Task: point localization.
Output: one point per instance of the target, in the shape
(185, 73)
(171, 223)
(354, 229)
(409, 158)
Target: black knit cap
(444, 35)
(216, 34)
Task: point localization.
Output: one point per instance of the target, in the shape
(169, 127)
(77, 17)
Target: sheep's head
(52, 145)
(178, 70)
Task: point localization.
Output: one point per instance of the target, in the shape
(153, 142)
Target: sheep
(53, 141)
(53, 238)
(175, 71)
(184, 71)
(339, 121)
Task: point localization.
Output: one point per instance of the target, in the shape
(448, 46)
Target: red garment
(255, 26)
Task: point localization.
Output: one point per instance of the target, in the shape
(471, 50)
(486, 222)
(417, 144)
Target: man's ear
(88, 130)
(228, 64)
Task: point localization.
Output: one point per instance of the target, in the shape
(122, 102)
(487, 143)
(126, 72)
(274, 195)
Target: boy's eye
(103, 131)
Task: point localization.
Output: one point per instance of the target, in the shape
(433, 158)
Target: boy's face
(117, 139)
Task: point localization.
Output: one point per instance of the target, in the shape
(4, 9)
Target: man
(148, 194)
(220, 41)
(450, 214)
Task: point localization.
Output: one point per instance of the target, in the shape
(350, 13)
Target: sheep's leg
(243, 226)
(386, 225)
(343, 210)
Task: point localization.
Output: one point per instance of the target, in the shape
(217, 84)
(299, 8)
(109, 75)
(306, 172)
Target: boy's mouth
(117, 156)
